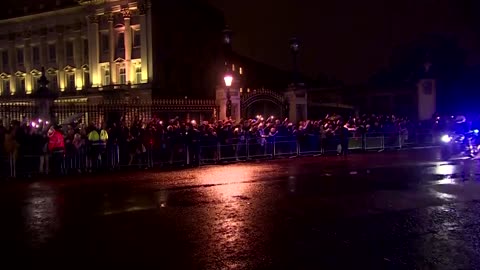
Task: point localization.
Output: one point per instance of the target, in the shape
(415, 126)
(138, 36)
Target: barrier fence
(116, 157)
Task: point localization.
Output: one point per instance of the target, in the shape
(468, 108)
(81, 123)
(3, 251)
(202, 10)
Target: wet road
(395, 210)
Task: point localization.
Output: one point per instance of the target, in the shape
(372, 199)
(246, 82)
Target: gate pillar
(221, 102)
(297, 101)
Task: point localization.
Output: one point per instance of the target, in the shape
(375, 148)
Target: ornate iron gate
(263, 95)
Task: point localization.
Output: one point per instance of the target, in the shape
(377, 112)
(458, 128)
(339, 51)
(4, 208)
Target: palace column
(11, 62)
(149, 39)
(27, 61)
(144, 42)
(43, 48)
(93, 53)
(127, 15)
(61, 59)
(112, 48)
(77, 58)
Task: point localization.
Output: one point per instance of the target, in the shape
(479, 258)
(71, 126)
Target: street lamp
(294, 49)
(228, 83)
(228, 80)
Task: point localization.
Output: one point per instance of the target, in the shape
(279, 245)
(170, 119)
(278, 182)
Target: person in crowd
(11, 145)
(79, 148)
(3, 156)
(3, 131)
(102, 146)
(70, 150)
(93, 148)
(139, 139)
(44, 166)
(114, 135)
(38, 142)
(344, 139)
(56, 147)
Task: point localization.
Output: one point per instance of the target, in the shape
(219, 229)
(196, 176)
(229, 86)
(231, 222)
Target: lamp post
(227, 38)
(228, 78)
(44, 99)
(228, 83)
(294, 49)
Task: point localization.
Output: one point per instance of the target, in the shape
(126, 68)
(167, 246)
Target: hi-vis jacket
(98, 139)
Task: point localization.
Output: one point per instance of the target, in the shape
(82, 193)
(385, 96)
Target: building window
(138, 75)
(36, 55)
(5, 59)
(86, 78)
(121, 40)
(69, 50)
(106, 77)
(53, 82)
(123, 76)
(20, 56)
(105, 45)
(137, 39)
(35, 82)
(52, 52)
(20, 87)
(240, 70)
(71, 81)
(5, 87)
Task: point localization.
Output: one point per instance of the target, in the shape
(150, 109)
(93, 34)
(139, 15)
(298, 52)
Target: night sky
(347, 39)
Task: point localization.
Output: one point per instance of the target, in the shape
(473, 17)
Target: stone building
(110, 48)
(170, 52)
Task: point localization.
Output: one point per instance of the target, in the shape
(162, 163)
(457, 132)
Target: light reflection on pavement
(400, 209)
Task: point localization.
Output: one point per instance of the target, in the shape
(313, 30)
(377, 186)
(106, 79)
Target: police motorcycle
(461, 141)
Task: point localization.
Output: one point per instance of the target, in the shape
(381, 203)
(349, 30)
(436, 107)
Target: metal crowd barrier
(200, 153)
(286, 146)
(309, 145)
(243, 150)
(374, 143)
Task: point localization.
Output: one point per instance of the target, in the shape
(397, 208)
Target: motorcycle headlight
(446, 138)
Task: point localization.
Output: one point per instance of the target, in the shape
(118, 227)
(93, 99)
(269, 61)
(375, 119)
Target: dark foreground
(385, 210)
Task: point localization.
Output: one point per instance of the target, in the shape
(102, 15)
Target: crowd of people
(41, 147)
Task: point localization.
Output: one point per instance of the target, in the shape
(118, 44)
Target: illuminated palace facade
(93, 47)
(82, 46)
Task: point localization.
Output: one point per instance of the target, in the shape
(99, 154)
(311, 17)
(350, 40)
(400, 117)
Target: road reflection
(445, 169)
(129, 201)
(443, 196)
(230, 174)
(229, 227)
(245, 215)
(224, 184)
(446, 181)
(42, 212)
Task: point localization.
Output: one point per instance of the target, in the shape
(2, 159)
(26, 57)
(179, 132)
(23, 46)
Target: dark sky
(345, 39)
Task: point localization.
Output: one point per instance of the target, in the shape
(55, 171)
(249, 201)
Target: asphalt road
(395, 210)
